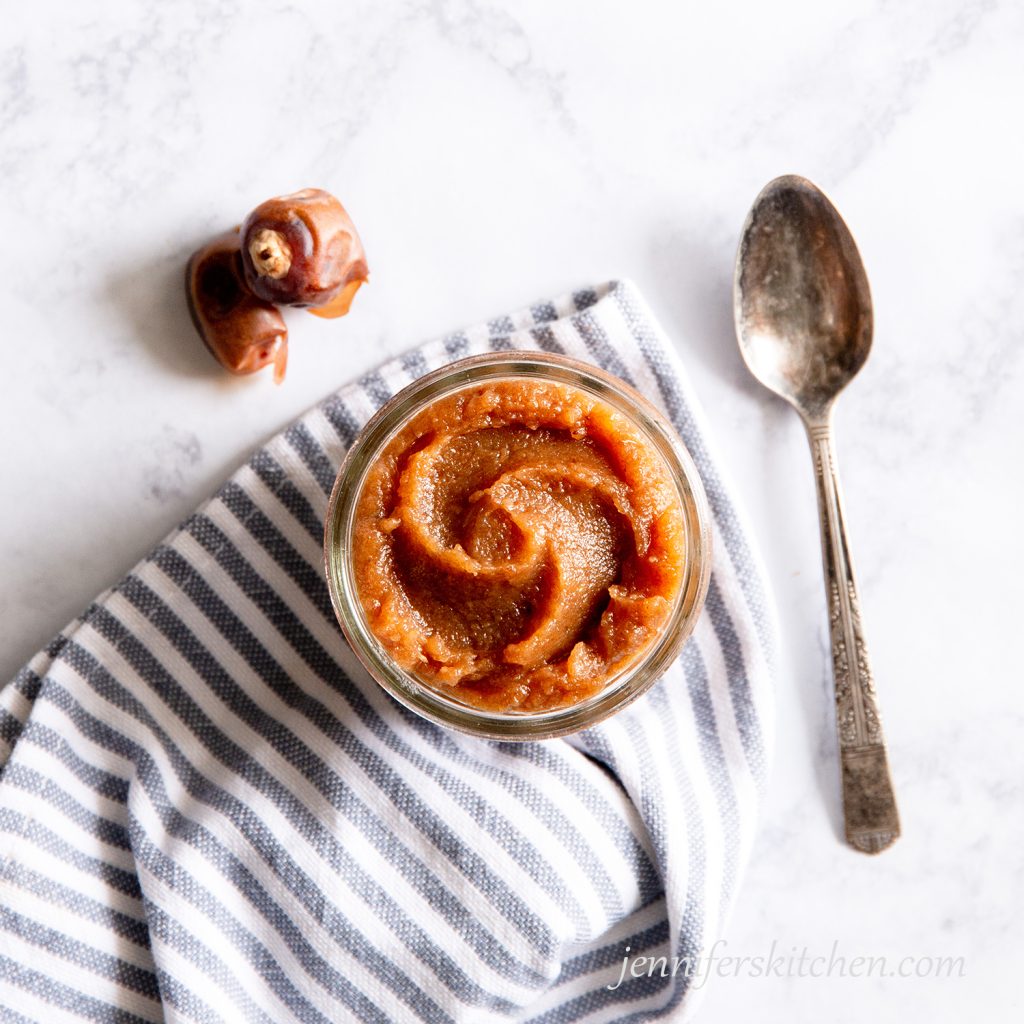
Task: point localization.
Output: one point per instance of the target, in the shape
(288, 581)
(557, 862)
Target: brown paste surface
(517, 544)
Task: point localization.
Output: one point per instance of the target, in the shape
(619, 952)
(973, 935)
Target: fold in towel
(209, 812)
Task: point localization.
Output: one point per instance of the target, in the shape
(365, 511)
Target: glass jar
(444, 707)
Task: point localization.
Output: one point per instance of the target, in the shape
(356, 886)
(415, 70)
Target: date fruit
(302, 249)
(243, 332)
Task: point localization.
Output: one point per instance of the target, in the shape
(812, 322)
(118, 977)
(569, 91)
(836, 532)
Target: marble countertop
(495, 154)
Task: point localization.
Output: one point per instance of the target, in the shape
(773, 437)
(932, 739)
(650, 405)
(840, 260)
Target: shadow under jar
(517, 545)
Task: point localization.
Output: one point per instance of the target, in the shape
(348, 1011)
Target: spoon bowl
(803, 304)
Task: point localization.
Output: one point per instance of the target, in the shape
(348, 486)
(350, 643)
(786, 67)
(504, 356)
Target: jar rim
(622, 688)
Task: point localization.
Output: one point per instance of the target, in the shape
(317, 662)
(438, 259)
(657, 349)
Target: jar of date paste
(517, 545)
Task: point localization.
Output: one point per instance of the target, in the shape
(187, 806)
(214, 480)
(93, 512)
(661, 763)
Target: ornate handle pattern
(869, 804)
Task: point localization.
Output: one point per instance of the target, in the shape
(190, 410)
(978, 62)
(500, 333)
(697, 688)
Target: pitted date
(302, 249)
(243, 332)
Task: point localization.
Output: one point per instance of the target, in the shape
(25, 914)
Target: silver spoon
(803, 319)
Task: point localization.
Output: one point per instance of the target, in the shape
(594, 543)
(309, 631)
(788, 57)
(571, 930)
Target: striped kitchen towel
(208, 812)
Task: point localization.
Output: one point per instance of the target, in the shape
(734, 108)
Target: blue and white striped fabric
(208, 812)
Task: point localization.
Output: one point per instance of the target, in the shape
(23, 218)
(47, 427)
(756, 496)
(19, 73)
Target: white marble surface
(492, 155)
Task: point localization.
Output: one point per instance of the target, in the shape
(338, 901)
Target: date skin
(302, 249)
(243, 332)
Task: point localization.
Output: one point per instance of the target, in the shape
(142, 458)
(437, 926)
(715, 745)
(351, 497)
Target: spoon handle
(869, 805)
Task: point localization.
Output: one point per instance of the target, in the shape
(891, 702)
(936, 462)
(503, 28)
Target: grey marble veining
(492, 154)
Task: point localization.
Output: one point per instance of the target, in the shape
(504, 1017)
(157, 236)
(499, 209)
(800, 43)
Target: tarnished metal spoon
(803, 319)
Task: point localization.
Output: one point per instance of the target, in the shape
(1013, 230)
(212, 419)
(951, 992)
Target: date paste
(517, 544)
